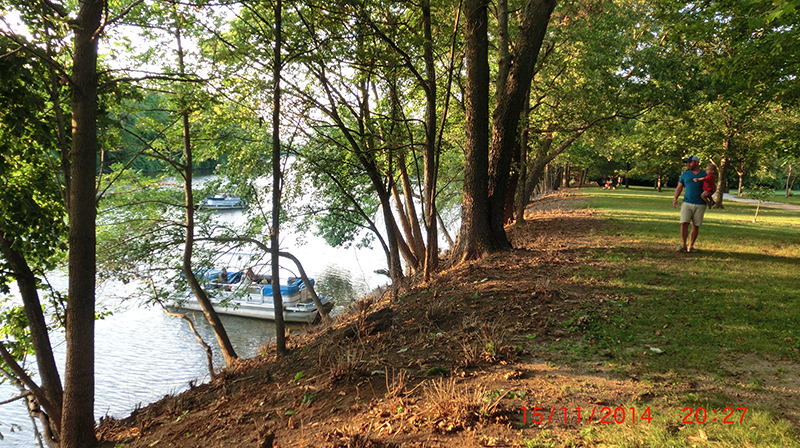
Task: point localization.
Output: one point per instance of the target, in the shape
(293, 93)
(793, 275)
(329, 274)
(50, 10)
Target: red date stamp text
(727, 415)
(609, 415)
(597, 414)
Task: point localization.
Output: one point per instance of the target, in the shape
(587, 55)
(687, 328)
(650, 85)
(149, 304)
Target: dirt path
(769, 204)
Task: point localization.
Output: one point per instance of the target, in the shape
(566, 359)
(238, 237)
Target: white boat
(223, 201)
(242, 297)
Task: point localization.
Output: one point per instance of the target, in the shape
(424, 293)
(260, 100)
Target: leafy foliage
(32, 215)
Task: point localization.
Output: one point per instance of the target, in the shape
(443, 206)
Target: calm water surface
(142, 354)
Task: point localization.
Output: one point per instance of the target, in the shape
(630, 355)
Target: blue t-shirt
(693, 189)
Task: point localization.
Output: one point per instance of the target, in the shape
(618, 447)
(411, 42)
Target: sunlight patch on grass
(677, 428)
(738, 294)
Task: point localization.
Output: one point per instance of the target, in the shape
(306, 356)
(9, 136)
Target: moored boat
(223, 201)
(241, 296)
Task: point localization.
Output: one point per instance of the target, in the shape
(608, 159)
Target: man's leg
(693, 237)
(684, 232)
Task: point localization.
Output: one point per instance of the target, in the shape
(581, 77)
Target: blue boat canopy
(213, 274)
(295, 285)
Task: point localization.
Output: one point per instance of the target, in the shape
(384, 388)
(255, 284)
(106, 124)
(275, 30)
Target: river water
(143, 354)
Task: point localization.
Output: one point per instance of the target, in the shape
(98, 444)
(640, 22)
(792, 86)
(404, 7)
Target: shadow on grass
(672, 316)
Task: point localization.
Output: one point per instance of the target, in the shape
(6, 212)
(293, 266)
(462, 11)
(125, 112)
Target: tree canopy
(373, 119)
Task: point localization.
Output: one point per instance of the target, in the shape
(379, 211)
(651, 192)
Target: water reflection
(142, 354)
(152, 354)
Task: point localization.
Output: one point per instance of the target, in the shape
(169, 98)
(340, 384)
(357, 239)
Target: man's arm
(678, 190)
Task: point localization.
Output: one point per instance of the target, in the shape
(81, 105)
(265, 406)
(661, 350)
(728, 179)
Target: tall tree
(475, 238)
(505, 132)
(745, 64)
(280, 330)
(483, 234)
(32, 227)
(210, 313)
(77, 421)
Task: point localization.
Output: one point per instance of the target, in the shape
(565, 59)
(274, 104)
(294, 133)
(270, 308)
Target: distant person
(693, 207)
(223, 276)
(256, 278)
(709, 184)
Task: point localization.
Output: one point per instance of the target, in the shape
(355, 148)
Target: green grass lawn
(740, 293)
(679, 317)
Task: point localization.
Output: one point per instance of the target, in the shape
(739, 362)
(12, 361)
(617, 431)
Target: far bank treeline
(380, 114)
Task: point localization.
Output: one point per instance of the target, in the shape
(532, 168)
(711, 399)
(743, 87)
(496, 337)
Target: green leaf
(434, 371)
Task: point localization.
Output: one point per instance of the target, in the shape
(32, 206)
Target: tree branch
(17, 370)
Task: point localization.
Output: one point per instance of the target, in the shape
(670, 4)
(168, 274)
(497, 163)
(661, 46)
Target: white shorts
(692, 213)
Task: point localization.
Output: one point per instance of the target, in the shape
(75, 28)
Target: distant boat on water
(223, 201)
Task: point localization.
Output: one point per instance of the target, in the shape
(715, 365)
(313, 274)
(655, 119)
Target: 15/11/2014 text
(603, 415)
(619, 415)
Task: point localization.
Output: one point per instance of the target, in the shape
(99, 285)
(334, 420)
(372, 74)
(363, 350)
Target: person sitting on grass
(709, 184)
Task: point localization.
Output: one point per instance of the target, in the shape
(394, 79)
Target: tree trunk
(192, 327)
(789, 182)
(406, 250)
(202, 298)
(77, 419)
(444, 229)
(366, 158)
(415, 238)
(51, 395)
(409, 218)
(722, 174)
(536, 167)
(513, 181)
(365, 150)
(395, 268)
(474, 238)
(740, 189)
(533, 25)
(659, 180)
(520, 197)
(554, 181)
(431, 158)
(277, 299)
(503, 55)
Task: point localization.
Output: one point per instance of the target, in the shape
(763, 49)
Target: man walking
(693, 207)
